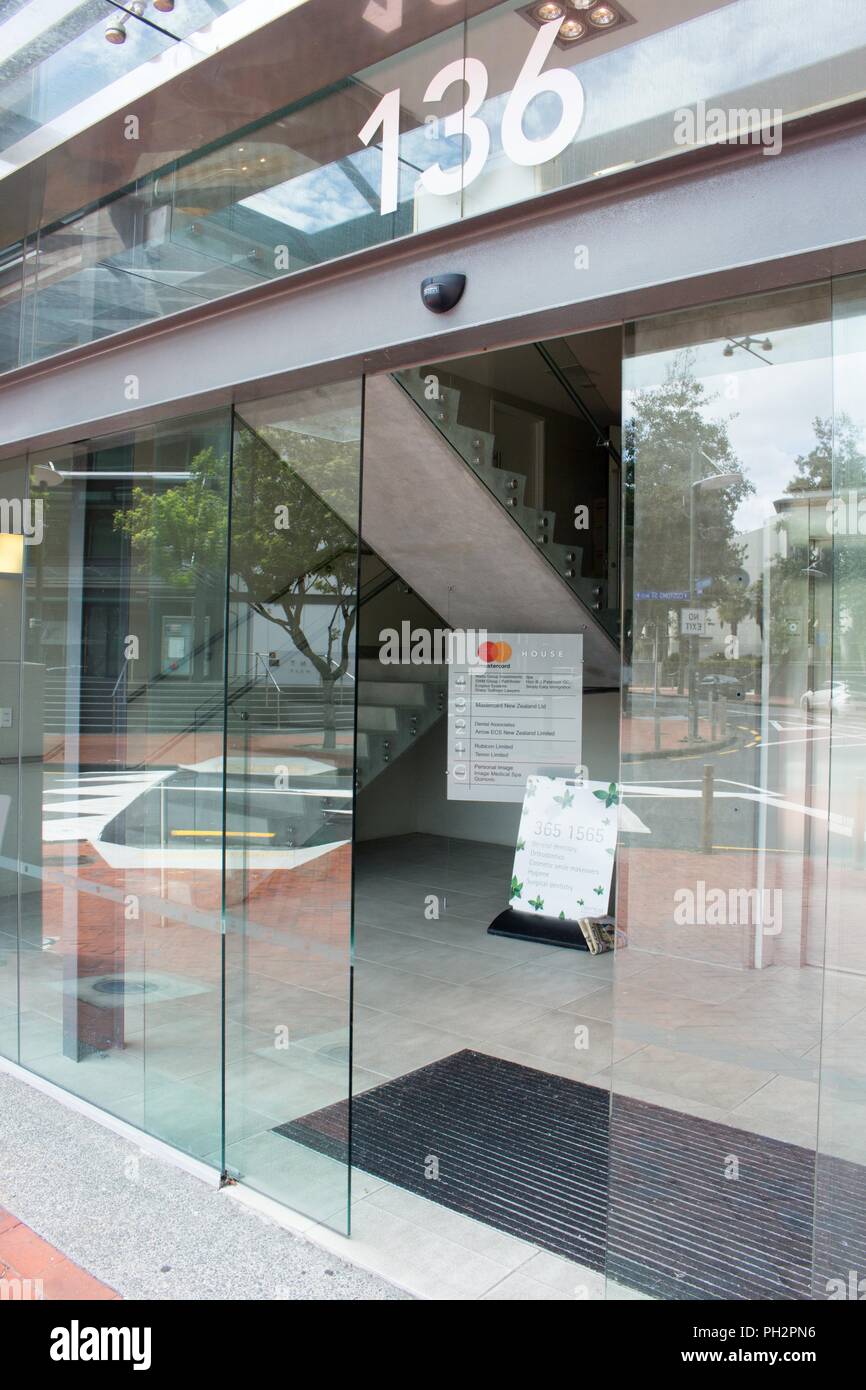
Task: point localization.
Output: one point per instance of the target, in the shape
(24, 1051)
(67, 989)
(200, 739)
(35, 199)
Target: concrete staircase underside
(430, 518)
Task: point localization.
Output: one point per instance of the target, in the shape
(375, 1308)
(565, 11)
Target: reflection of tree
(288, 547)
(667, 424)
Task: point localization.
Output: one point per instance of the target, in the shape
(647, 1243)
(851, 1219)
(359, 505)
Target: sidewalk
(87, 1199)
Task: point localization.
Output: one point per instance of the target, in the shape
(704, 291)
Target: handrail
(260, 657)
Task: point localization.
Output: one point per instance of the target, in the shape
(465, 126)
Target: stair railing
(269, 676)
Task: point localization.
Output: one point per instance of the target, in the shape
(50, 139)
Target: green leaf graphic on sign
(537, 903)
(610, 797)
(565, 800)
(516, 887)
(598, 890)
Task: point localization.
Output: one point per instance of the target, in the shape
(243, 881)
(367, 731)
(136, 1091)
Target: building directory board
(514, 711)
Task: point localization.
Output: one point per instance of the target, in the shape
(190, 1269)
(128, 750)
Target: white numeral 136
(531, 82)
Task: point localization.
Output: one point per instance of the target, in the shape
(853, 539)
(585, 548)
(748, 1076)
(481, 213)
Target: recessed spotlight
(164, 6)
(571, 29)
(577, 21)
(116, 33)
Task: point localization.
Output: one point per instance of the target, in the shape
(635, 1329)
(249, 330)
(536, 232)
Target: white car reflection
(831, 695)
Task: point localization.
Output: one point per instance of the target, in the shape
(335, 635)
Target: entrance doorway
(488, 660)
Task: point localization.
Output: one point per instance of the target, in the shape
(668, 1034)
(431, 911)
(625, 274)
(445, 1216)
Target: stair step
(411, 694)
(377, 719)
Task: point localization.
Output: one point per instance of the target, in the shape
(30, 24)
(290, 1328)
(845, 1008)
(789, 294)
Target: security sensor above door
(441, 292)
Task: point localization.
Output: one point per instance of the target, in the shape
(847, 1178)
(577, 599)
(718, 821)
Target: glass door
(723, 967)
(289, 795)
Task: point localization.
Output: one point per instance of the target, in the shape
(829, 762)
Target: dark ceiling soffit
(234, 90)
(815, 129)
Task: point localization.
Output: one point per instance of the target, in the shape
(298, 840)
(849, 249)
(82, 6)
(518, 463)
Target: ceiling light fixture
(593, 21)
(548, 11)
(603, 16)
(570, 30)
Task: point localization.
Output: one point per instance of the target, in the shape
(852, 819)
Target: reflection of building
(230, 860)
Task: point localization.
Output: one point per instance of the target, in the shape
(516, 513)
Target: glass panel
(408, 145)
(53, 57)
(839, 529)
(121, 998)
(728, 423)
(289, 795)
(15, 523)
(11, 290)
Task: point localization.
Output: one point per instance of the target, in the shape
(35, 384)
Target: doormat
(683, 1208)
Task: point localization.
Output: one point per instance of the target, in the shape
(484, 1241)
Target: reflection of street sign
(693, 622)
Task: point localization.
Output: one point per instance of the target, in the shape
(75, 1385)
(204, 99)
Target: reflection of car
(830, 695)
(724, 685)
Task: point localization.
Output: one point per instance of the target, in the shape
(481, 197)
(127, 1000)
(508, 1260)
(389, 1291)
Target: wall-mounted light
(748, 344)
(116, 30)
(11, 553)
(133, 9)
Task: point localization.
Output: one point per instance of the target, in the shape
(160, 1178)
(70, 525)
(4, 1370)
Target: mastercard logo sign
(494, 651)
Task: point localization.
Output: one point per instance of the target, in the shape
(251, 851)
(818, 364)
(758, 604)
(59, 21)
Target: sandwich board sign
(563, 861)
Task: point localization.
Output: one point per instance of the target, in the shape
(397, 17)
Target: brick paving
(32, 1270)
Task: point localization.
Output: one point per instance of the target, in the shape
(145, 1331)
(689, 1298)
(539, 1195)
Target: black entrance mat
(528, 1153)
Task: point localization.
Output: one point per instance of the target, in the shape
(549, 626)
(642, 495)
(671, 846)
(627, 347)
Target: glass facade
(175, 821)
(490, 112)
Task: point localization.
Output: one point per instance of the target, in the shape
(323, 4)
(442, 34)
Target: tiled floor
(741, 1047)
(31, 1269)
